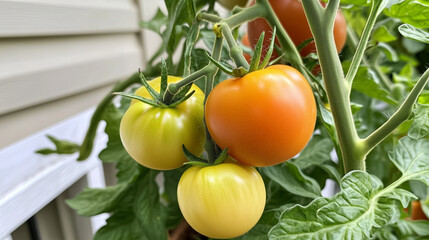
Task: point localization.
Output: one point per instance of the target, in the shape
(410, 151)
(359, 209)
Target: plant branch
(210, 145)
(398, 117)
(235, 51)
(351, 35)
(360, 51)
(336, 88)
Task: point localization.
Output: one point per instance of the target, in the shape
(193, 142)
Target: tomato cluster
(263, 118)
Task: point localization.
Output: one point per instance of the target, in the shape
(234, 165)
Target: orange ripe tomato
(263, 118)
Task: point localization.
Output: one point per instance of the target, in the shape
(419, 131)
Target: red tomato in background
(245, 42)
(292, 17)
(265, 117)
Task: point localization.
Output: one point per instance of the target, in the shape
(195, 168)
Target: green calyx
(236, 53)
(201, 162)
(163, 98)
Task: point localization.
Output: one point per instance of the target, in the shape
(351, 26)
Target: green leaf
(350, 214)
(318, 153)
(92, 202)
(290, 177)
(61, 147)
(388, 51)
(411, 157)
(385, 30)
(149, 210)
(414, 12)
(156, 23)
(403, 196)
(420, 126)
(413, 228)
(121, 225)
(140, 214)
(413, 33)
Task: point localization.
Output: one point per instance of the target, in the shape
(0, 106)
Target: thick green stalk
(321, 21)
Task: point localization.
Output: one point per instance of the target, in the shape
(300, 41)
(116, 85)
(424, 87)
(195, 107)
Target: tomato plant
(356, 135)
(263, 118)
(153, 136)
(221, 201)
(292, 17)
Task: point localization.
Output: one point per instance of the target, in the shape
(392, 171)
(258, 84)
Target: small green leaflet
(413, 33)
(411, 157)
(414, 12)
(290, 177)
(420, 126)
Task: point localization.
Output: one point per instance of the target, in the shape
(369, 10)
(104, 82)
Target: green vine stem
(321, 21)
(88, 142)
(235, 51)
(398, 117)
(210, 145)
(360, 51)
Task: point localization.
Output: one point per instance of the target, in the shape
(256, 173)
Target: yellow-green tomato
(153, 136)
(221, 201)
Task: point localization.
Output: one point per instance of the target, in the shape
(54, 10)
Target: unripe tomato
(292, 17)
(263, 118)
(221, 201)
(153, 136)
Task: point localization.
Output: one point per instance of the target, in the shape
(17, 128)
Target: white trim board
(29, 181)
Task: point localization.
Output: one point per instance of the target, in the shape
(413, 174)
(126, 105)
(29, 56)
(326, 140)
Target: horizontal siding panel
(33, 71)
(48, 17)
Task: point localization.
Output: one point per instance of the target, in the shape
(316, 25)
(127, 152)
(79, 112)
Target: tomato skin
(417, 211)
(154, 136)
(265, 117)
(292, 17)
(221, 201)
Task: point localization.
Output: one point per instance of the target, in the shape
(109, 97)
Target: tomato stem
(321, 21)
(360, 51)
(235, 51)
(210, 145)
